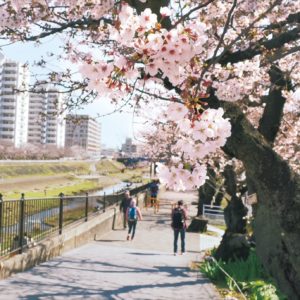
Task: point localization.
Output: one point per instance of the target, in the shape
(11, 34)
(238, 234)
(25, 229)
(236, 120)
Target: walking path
(113, 268)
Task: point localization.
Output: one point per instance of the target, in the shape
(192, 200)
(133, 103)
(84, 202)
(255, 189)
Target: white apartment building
(13, 105)
(85, 132)
(46, 117)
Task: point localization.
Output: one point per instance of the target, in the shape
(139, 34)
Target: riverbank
(43, 184)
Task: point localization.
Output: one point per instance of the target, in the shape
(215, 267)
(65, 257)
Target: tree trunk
(207, 191)
(234, 242)
(277, 220)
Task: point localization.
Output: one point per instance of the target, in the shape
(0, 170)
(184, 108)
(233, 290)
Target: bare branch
(205, 69)
(191, 11)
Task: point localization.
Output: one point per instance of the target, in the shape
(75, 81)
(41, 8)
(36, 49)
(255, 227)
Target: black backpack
(178, 218)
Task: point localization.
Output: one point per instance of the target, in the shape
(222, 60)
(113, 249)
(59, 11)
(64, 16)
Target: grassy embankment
(21, 170)
(117, 170)
(50, 179)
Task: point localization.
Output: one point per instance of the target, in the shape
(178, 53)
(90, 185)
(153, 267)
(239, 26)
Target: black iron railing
(25, 222)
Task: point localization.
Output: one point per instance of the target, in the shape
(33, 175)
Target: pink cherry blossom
(165, 11)
(176, 111)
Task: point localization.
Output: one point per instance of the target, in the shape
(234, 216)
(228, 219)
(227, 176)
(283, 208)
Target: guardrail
(24, 222)
(213, 212)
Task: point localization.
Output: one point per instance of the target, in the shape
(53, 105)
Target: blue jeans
(132, 226)
(180, 231)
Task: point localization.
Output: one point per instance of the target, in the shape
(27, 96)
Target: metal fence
(24, 222)
(214, 213)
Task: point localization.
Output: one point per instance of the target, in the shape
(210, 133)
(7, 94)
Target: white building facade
(14, 104)
(85, 132)
(46, 118)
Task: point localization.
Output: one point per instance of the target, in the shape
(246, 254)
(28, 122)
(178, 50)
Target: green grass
(43, 169)
(11, 208)
(69, 216)
(73, 188)
(133, 175)
(12, 216)
(249, 275)
(109, 166)
(76, 186)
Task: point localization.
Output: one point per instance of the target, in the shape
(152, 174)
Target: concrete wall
(72, 236)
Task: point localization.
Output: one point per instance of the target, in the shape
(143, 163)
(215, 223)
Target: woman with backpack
(179, 217)
(133, 214)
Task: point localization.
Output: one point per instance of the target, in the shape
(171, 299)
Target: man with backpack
(179, 217)
(133, 214)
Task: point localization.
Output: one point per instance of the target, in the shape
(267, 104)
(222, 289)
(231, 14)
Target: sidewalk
(113, 268)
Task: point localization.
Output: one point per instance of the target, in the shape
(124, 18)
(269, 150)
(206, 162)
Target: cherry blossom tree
(228, 71)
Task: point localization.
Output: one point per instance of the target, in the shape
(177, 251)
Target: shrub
(248, 274)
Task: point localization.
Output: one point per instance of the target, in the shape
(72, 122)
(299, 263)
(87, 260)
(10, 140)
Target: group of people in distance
(132, 213)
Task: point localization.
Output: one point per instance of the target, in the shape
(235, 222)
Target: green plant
(211, 270)
(249, 275)
(245, 270)
(261, 290)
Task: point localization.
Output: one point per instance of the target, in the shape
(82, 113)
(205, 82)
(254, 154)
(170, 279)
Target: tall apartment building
(13, 104)
(46, 120)
(85, 132)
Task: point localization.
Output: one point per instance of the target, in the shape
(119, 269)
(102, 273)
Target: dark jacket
(125, 204)
(184, 218)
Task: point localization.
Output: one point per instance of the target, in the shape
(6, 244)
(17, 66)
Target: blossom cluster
(180, 179)
(195, 140)
(203, 136)
(243, 79)
(160, 50)
(20, 14)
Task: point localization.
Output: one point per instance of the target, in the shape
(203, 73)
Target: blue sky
(115, 127)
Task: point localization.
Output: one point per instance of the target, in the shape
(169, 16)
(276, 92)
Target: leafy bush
(248, 274)
(261, 290)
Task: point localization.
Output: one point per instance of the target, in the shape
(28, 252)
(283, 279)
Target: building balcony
(7, 90)
(3, 125)
(11, 111)
(8, 118)
(6, 137)
(11, 68)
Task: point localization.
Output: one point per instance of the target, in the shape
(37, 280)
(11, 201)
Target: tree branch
(259, 47)
(270, 121)
(292, 18)
(191, 11)
(70, 25)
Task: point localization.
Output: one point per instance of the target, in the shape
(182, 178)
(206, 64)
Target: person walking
(153, 191)
(125, 203)
(154, 188)
(179, 217)
(133, 214)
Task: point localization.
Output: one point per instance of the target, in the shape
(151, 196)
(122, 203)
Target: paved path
(113, 268)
